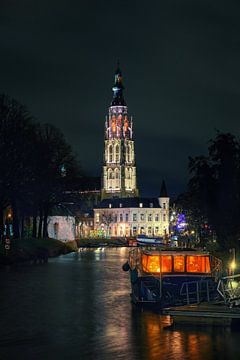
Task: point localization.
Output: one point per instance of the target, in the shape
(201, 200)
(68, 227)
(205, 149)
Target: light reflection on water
(78, 307)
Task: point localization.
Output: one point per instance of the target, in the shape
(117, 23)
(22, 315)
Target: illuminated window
(178, 263)
(142, 217)
(120, 205)
(97, 217)
(156, 230)
(149, 217)
(110, 205)
(156, 217)
(149, 230)
(151, 263)
(134, 217)
(134, 230)
(141, 205)
(121, 217)
(196, 263)
(142, 230)
(166, 263)
(126, 216)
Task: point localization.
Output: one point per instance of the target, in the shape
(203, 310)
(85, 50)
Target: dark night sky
(181, 66)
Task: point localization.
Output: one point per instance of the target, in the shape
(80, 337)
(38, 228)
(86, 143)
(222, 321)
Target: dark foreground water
(78, 307)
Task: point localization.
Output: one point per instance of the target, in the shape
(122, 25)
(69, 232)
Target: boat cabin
(174, 262)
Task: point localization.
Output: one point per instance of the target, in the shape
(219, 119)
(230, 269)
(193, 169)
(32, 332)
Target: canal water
(78, 307)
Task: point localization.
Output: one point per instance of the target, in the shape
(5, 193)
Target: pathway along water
(78, 307)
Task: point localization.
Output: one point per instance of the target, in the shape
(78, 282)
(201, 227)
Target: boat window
(198, 263)
(166, 265)
(178, 263)
(151, 263)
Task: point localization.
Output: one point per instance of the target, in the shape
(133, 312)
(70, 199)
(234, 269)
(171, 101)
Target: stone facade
(133, 216)
(61, 227)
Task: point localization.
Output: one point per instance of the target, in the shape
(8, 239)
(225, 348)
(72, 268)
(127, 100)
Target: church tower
(119, 169)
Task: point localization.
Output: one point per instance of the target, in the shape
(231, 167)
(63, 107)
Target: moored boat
(172, 277)
(143, 240)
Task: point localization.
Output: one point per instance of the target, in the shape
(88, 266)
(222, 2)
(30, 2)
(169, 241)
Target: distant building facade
(119, 177)
(132, 216)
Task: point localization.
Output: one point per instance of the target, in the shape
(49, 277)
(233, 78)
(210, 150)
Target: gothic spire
(118, 88)
(163, 191)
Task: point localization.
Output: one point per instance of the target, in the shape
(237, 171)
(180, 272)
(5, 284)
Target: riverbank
(99, 242)
(34, 250)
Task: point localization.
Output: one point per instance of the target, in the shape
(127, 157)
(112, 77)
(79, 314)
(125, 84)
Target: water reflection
(78, 307)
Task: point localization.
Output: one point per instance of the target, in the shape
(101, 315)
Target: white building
(61, 227)
(131, 216)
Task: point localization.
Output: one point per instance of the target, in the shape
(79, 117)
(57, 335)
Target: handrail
(229, 288)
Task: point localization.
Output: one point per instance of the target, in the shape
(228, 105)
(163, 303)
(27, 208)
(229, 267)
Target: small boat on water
(143, 240)
(172, 277)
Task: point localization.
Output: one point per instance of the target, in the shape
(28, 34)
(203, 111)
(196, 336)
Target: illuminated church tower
(119, 169)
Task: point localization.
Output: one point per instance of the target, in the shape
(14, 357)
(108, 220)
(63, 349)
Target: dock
(204, 314)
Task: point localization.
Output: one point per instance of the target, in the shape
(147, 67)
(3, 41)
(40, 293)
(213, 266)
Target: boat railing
(229, 288)
(194, 291)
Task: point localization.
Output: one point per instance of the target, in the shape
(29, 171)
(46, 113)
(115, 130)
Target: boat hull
(172, 290)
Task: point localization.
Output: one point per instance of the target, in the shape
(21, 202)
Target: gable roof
(129, 203)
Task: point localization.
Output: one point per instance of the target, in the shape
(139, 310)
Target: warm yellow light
(233, 265)
(192, 232)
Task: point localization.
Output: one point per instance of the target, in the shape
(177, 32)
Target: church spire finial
(118, 88)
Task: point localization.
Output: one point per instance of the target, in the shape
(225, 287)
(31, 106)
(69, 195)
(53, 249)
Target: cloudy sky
(181, 66)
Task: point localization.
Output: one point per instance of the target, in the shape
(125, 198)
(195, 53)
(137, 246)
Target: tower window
(129, 153)
(164, 205)
(117, 153)
(110, 151)
(141, 205)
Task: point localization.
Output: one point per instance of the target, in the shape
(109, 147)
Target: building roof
(129, 203)
(163, 191)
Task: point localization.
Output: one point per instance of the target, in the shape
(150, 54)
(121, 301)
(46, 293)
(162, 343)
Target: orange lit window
(166, 265)
(151, 263)
(199, 264)
(178, 263)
